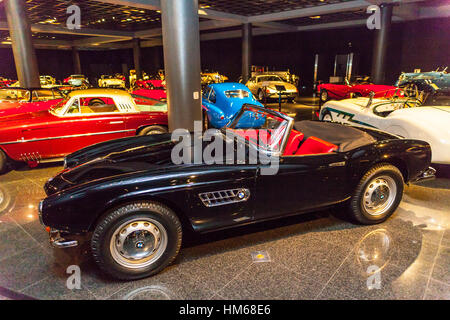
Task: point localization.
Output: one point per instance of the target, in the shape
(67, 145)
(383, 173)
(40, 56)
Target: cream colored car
(270, 87)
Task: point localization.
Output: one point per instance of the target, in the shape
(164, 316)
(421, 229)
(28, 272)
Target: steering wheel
(411, 103)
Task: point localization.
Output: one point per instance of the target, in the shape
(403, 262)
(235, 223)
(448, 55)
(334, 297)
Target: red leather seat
(295, 137)
(314, 145)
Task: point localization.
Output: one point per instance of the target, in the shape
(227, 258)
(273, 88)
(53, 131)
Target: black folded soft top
(345, 137)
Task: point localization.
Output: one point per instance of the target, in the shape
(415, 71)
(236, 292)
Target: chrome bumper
(428, 174)
(57, 241)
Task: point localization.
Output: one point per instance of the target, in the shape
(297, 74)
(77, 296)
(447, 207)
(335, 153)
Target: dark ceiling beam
(42, 28)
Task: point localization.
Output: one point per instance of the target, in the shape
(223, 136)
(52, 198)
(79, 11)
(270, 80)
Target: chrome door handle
(115, 122)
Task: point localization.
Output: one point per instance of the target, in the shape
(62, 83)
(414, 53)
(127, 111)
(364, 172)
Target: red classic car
(19, 100)
(358, 86)
(83, 118)
(153, 94)
(6, 82)
(155, 89)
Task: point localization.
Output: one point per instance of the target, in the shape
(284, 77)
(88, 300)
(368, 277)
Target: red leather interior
(314, 145)
(295, 137)
(294, 145)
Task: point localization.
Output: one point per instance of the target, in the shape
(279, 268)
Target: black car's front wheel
(136, 240)
(377, 195)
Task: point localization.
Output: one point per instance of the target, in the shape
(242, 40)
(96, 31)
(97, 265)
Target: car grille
(223, 197)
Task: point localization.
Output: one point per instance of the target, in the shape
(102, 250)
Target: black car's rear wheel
(377, 195)
(136, 240)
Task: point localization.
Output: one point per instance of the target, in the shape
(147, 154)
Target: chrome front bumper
(57, 241)
(428, 174)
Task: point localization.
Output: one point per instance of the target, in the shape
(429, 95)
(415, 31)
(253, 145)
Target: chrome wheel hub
(138, 243)
(379, 195)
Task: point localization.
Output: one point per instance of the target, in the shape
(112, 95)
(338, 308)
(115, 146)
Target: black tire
(323, 96)
(3, 162)
(325, 117)
(261, 95)
(152, 130)
(383, 171)
(111, 222)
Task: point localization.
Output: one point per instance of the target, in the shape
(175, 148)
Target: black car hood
(113, 158)
(118, 149)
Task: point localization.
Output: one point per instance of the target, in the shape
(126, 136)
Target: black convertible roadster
(133, 202)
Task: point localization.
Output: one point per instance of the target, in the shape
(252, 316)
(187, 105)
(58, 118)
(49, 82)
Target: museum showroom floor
(313, 256)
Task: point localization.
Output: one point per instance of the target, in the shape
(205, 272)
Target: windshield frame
(249, 107)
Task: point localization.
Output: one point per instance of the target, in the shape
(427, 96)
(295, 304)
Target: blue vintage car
(425, 80)
(222, 101)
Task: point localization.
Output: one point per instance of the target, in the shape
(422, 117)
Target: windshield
(58, 108)
(269, 78)
(258, 128)
(237, 94)
(19, 95)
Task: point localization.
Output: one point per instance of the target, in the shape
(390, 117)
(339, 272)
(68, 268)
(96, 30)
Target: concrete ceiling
(111, 24)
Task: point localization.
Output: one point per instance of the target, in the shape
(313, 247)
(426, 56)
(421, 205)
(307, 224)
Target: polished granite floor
(313, 256)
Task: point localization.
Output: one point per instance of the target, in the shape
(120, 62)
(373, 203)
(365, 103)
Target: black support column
(246, 51)
(381, 43)
(137, 57)
(76, 61)
(181, 44)
(22, 44)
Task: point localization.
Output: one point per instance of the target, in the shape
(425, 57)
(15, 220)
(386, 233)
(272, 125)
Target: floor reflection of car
(83, 118)
(142, 198)
(271, 87)
(19, 100)
(426, 118)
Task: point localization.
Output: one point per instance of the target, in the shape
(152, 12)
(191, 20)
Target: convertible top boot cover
(346, 138)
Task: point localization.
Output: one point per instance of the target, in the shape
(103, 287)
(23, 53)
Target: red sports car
(155, 89)
(359, 86)
(83, 118)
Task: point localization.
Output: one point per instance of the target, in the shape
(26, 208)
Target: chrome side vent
(223, 197)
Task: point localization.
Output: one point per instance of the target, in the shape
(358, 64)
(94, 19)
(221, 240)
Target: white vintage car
(111, 82)
(270, 87)
(409, 118)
